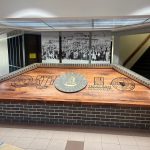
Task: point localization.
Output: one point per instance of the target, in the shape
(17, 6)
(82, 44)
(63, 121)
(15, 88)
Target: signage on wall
(32, 55)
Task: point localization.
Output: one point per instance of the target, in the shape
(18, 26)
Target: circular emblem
(124, 84)
(70, 82)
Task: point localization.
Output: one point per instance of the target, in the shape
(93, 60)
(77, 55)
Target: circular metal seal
(123, 84)
(70, 82)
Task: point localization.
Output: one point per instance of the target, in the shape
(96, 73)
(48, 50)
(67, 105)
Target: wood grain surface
(105, 86)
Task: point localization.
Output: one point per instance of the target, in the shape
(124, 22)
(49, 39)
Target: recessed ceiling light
(32, 13)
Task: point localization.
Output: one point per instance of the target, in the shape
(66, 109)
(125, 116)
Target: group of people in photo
(101, 52)
(50, 50)
(77, 48)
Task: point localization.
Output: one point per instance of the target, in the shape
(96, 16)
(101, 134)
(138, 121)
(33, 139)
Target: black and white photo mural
(50, 47)
(101, 47)
(75, 47)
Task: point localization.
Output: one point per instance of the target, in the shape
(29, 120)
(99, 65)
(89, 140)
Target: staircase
(142, 66)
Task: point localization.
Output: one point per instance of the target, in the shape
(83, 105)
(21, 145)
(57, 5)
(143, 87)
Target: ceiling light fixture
(32, 13)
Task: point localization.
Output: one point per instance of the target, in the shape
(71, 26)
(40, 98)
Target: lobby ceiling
(69, 15)
(72, 8)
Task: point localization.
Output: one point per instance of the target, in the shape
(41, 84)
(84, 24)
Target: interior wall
(128, 44)
(32, 46)
(4, 62)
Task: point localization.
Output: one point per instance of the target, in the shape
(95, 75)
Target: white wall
(73, 8)
(128, 44)
(4, 63)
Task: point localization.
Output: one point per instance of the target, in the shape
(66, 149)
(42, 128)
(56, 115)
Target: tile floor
(56, 138)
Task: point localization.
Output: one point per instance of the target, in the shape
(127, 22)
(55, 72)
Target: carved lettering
(22, 81)
(40, 82)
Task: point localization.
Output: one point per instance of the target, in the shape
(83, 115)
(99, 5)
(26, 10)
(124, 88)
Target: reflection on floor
(65, 138)
(9, 147)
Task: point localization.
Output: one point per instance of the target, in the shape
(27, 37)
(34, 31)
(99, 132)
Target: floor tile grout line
(84, 135)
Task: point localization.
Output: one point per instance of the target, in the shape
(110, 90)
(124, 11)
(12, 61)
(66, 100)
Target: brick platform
(113, 97)
(75, 114)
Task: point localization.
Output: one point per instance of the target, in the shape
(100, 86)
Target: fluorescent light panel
(118, 22)
(23, 23)
(74, 24)
(70, 23)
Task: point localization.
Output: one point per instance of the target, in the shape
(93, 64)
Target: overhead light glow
(31, 13)
(143, 11)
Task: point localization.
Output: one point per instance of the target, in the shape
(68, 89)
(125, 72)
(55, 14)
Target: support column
(116, 50)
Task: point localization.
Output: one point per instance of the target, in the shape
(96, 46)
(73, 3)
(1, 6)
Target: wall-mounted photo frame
(75, 47)
(101, 47)
(50, 47)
